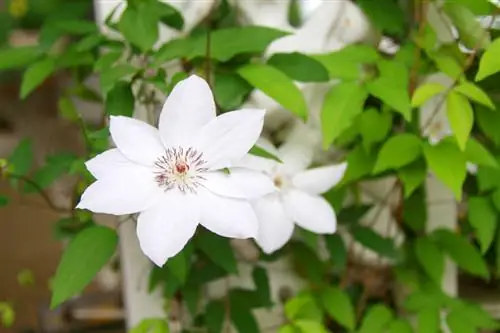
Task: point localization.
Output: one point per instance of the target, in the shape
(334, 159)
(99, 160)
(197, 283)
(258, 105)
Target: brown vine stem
(468, 62)
(420, 17)
(40, 191)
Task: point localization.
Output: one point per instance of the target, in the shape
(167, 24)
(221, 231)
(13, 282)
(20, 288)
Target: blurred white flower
(173, 176)
(297, 198)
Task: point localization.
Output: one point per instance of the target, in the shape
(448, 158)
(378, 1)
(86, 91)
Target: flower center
(181, 168)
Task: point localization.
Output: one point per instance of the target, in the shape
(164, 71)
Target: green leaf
(372, 240)
(74, 26)
(488, 179)
(359, 163)
(460, 116)
(120, 100)
(175, 48)
(90, 42)
(476, 153)
(229, 42)
(7, 314)
(289, 328)
(242, 317)
(415, 210)
(478, 7)
(308, 326)
(179, 264)
(428, 320)
(20, 160)
(67, 109)
(342, 104)
(475, 93)
(386, 15)
(431, 258)
(483, 218)
(489, 122)
(261, 281)
(4, 200)
(392, 94)
(400, 326)
(299, 67)
(139, 25)
(425, 92)
(457, 324)
(218, 250)
(489, 63)
(85, 255)
(476, 315)
(338, 305)
(35, 75)
(109, 77)
(261, 152)
(374, 126)
(151, 325)
(303, 306)
(307, 262)
(56, 166)
(337, 250)
(398, 151)
(347, 62)
(469, 29)
(168, 15)
(15, 58)
(276, 85)
(412, 176)
(462, 252)
(448, 164)
(376, 319)
(230, 90)
(107, 60)
(214, 316)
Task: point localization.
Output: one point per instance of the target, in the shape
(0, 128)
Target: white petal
(106, 163)
(310, 212)
(227, 217)
(256, 163)
(164, 229)
(319, 180)
(275, 227)
(136, 140)
(240, 183)
(129, 189)
(298, 150)
(230, 136)
(187, 109)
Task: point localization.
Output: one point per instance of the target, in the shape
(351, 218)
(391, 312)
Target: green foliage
(342, 104)
(85, 255)
(338, 305)
(398, 151)
(218, 250)
(489, 63)
(152, 325)
(462, 252)
(7, 314)
(276, 85)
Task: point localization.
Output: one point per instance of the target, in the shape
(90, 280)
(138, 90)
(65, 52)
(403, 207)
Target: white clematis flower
(297, 198)
(173, 176)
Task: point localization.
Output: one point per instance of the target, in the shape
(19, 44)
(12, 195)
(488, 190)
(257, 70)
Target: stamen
(181, 168)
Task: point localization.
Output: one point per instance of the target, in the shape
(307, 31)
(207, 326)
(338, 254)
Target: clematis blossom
(297, 198)
(174, 176)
